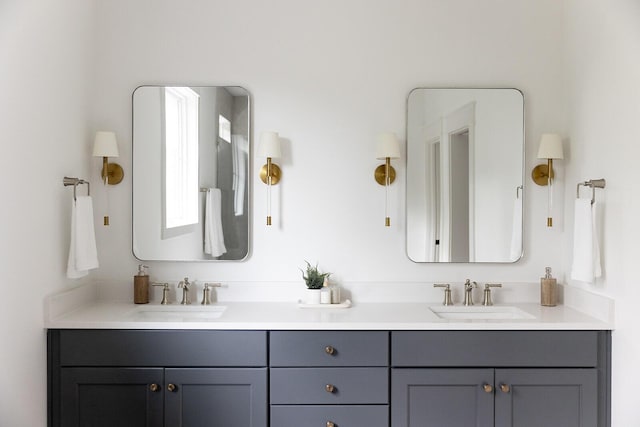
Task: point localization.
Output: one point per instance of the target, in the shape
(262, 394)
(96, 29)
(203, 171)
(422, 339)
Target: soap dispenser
(548, 292)
(141, 286)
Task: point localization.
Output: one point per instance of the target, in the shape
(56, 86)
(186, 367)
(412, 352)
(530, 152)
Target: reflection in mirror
(465, 150)
(190, 173)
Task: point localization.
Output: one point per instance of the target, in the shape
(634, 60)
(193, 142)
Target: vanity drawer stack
(329, 378)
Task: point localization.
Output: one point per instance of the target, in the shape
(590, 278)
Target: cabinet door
(546, 397)
(441, 397)
(107, 397)
(229, 397)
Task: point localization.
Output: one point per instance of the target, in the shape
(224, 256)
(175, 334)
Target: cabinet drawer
(340, 416)
(162, 348)
(309, 386)
(495, 348)
(329, 348)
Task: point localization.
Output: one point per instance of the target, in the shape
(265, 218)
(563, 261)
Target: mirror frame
(249, 174)
(522, 186)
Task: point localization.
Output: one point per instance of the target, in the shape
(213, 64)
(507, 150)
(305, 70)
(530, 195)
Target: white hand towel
(83, 255)
(586, 249)
(213, 235)
(516, 231)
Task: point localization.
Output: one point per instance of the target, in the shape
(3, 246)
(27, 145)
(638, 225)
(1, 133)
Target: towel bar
(67, 181)
(593, 183)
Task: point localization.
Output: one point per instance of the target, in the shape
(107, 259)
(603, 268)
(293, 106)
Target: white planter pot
(313, 296)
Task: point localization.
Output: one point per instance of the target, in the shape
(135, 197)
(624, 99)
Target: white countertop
(288, 316)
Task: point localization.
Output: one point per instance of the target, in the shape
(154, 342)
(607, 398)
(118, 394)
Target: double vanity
(240, 363)
(253, 364)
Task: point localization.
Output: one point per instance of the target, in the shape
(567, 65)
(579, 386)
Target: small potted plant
(314, 281)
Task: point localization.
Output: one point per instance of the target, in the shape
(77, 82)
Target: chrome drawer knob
(329, 350)
(330, 388)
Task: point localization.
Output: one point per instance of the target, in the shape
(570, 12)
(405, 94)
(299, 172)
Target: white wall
(603, 69)
(328, 76)
(45, 57)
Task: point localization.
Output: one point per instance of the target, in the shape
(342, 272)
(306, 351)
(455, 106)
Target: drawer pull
(505, 388)
(488, 388)
(171, 387)
(154, 387)
(330, 388)
(329, 350)
(330, 424)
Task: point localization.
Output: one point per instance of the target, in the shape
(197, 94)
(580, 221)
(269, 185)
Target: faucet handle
(165, 292)
(487, 293)
(447, 292)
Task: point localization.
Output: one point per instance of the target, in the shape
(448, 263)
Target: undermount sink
(480, 313)
(175, 313)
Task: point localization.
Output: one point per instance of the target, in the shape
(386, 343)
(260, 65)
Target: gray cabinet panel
(494, 348)
(308, 386)
(162, 348)
(107, 397)
(341, 416)
(308, 348)
(216, 397)
(547, 397)
(441, 397)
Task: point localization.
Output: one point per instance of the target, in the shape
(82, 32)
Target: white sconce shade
(388, 146)
(269, 145)
(550, 146)
(105, 145)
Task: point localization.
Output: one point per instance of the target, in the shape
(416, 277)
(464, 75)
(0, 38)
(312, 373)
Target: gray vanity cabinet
(500, 378)
(157, 378)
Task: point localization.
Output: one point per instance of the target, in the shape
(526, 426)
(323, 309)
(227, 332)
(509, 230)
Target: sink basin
(177, 313)
(480, 313)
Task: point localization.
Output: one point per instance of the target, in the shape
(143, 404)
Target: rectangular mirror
(191, 173)
(465, 168)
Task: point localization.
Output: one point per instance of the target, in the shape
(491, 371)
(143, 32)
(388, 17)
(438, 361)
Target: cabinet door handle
(488, 388)
(329, 350)
(330, 424)
(154, 387)
(505, 388)
(330, 388)
(171, 387)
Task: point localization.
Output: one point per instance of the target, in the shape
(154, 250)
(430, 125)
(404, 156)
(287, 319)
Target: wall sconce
(388, 148)
(550, 149)
(105, 146)
(270, 173)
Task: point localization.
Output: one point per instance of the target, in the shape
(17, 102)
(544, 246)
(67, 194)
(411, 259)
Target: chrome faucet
(487, 292)
(468, 296)
(184, 285)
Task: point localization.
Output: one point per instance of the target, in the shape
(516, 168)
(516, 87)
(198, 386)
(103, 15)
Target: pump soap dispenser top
(548, 292)
(141, 286)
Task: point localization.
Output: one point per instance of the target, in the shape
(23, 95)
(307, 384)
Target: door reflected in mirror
(465, 151)
(190, 173)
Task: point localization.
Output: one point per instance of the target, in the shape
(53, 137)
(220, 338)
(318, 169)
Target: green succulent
(312, 276)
